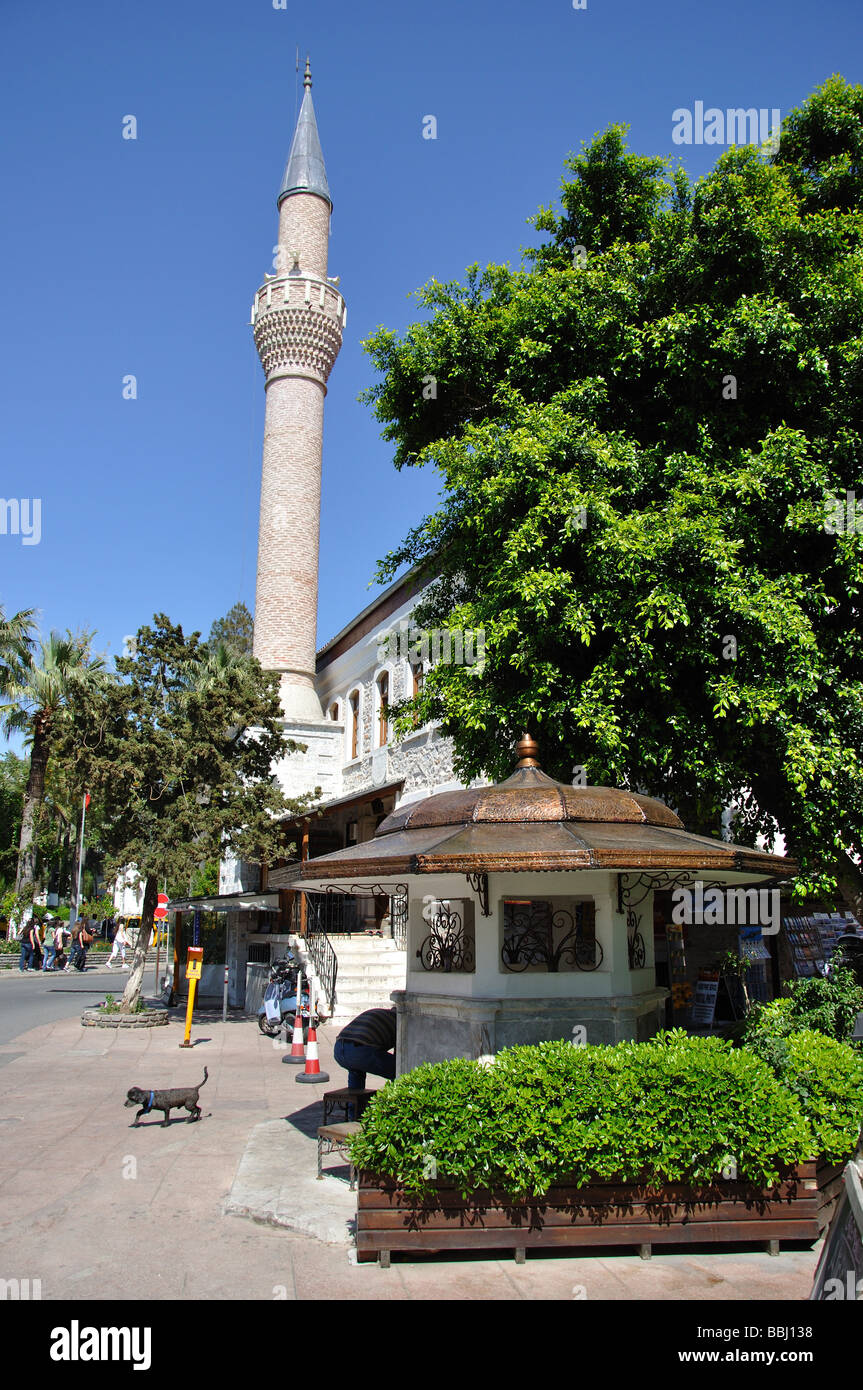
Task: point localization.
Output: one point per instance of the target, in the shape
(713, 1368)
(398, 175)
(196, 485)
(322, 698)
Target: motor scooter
(279, 1005)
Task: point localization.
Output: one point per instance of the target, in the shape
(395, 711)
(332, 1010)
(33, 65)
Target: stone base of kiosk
(435, 1027)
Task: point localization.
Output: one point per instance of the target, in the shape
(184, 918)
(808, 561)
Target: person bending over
(365, 1045)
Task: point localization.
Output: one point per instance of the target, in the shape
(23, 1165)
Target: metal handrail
(320, 949)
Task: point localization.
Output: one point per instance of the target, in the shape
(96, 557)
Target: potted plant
(679, 1140)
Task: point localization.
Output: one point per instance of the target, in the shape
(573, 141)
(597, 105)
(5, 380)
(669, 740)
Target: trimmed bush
(673, 1109)
(829, 1005)
(825, 1077)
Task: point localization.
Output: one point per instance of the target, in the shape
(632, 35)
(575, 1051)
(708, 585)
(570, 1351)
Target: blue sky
(142, 257)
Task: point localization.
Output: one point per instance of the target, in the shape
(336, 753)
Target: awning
(227, 902)
(354, 890)
(290, 877)
(342, 803)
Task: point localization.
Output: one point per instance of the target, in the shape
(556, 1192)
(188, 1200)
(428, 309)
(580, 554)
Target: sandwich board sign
(704, 1003)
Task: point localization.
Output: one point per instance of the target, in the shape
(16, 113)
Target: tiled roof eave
(675, 851)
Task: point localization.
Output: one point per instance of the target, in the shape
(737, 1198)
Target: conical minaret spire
(305, 171)
(298, 318)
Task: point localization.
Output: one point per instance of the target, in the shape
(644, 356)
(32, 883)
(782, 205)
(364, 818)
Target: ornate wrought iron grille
(539, 933)
(333, 913)
(479, 884)
(450, 943)
(398, 905)
(632, 890)
(399, 919)
(318, 944)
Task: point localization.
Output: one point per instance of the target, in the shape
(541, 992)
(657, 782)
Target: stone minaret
(298, 317)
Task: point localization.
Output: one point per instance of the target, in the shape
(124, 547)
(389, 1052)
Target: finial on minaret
(305, 172)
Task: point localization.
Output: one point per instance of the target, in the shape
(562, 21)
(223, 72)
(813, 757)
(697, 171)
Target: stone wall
(433, 1028)
(320, 765)
(424, 761)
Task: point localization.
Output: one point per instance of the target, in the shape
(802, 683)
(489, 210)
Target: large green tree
(16, 645)
(235, 631)
(179, 754)
(17, 638)
(38, 690)
(641, 433)
(13, 780)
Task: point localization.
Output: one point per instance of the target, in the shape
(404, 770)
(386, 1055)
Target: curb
(94, 1018)
(276, 1185)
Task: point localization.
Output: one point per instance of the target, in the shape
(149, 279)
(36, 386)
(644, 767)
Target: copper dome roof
(527, 797)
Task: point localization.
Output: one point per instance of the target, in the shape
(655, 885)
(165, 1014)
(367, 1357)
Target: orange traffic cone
(295, 1056)
(313, 1067)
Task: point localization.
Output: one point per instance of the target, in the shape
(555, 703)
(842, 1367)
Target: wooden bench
(337, 1137)
(344, 1098)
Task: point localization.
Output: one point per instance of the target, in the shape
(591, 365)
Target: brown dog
(166, 1101)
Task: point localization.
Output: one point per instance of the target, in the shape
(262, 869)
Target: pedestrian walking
(85, 941)
(118, 950)
(49, 949)
(27, 937)
(62, 936)
(75, 950)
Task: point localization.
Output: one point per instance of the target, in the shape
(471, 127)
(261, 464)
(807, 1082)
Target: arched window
(383, 689)
(354, 702)
(334, 711)
(418, 678)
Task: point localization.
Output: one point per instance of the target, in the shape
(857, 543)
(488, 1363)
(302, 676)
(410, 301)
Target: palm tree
(16, 645)
(38, 692)
(213, 665)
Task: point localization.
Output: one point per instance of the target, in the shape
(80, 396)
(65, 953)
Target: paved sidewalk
(102, 1210)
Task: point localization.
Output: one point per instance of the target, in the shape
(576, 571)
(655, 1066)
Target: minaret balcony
(298, 321)
(300, 290)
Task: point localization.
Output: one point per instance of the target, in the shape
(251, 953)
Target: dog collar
(150, 1103)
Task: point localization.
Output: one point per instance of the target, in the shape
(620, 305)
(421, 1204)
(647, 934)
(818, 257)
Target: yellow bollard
(193, 974)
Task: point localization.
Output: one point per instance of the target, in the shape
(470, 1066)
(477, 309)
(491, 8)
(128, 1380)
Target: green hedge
(826, 1078)
(673, 1109)
(830, 1006)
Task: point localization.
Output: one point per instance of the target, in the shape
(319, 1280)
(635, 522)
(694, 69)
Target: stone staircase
(370, 967)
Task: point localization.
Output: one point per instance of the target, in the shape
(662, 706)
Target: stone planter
(152, 1018)
(798, 1208)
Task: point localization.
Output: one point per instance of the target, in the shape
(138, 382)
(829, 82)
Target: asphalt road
(43, 997)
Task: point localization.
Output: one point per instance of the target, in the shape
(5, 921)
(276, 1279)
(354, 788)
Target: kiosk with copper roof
(527, 903)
